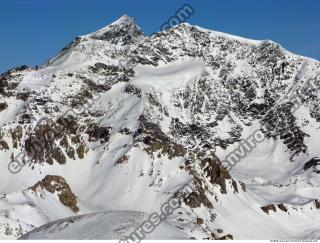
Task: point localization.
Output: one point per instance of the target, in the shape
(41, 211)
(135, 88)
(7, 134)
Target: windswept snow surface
(103, 226)
(168, 77)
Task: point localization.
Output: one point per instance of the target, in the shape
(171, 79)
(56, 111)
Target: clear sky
(33, 31)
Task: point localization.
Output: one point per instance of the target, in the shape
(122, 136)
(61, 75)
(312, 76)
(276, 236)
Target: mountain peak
(124, 31)
(124, 20)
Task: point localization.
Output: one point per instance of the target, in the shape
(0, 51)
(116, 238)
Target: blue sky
(32, 31)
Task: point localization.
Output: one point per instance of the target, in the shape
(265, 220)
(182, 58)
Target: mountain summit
(122, 31)
(119, 124)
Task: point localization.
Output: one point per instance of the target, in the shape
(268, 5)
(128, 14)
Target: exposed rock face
(282, 123)
(4, 145)
(317, 203)
(97, 133)
(50, 140)
(3, 106)
(213, 170)
(196, 199)
(225, 237)
(269, 208)
(16, 135)
(121, 115)
(312, 164)
(10, 80)
(282, 207)
(58, 185)
(156, 141)
(123, 159)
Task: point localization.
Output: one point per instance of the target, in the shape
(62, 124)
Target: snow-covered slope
(118, 122)
(107, 225)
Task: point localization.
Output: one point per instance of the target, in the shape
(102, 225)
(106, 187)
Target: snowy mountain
(119, 122)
